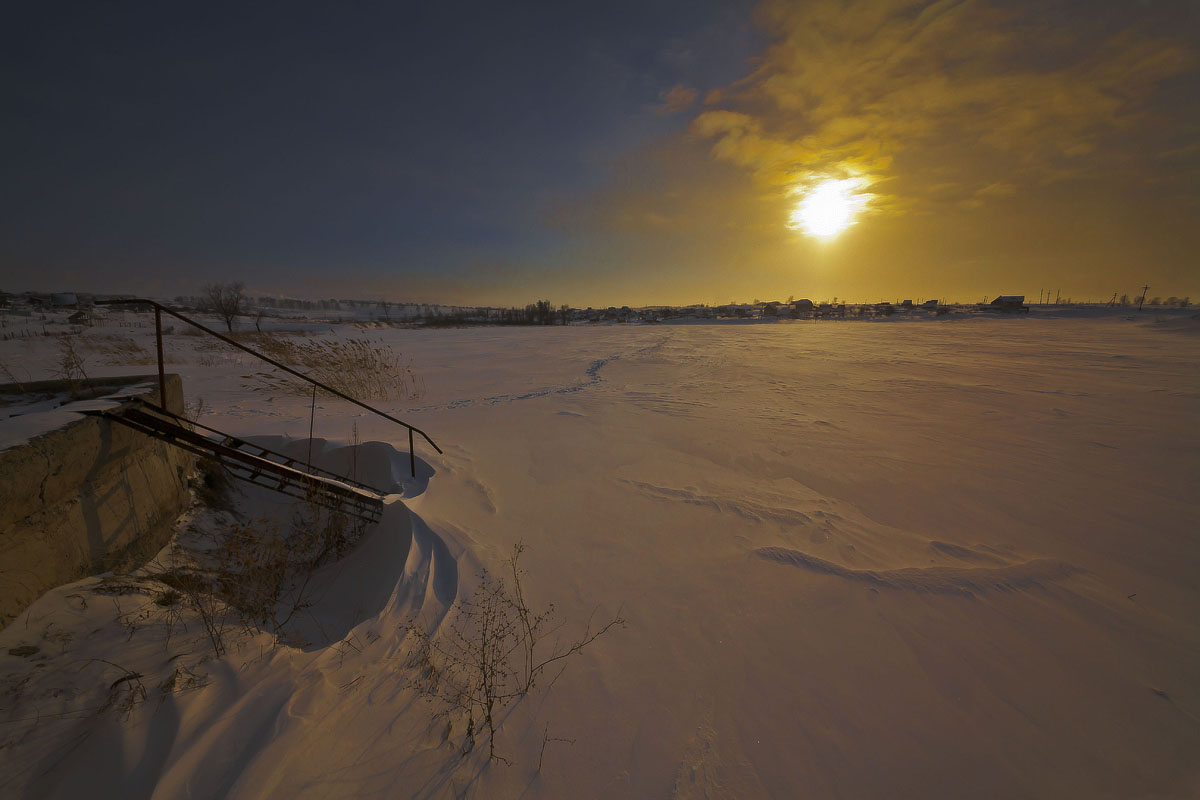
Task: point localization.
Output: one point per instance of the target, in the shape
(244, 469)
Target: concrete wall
(89, 497)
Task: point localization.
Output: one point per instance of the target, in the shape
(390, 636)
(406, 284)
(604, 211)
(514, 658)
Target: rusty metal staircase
(251, 462)
(160, 309)
(244, 460)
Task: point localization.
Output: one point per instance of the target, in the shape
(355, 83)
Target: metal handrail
(159, 308)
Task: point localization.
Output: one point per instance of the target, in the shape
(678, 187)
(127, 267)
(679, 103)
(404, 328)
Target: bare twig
(546, 739)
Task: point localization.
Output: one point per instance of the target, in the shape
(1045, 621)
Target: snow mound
(401, 568)
(116, 691)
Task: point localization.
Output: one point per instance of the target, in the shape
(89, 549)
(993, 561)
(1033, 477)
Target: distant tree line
(229, 300)
(289, 303)
(542, 312)
(1181, 302)
(539, 313)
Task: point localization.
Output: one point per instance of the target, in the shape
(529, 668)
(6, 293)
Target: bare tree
(226, 300)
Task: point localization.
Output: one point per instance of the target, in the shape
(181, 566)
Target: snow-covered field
(950, 558)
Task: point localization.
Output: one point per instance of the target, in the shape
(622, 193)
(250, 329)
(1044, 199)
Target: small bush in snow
(492, 652)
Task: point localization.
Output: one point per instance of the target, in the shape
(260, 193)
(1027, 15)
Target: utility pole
(1142, 299)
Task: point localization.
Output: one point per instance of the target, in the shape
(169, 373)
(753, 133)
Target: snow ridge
(939, 580)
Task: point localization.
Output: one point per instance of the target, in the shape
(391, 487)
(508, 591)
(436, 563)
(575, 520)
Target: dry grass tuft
(257, 575)
(116, 350)
(357, 367)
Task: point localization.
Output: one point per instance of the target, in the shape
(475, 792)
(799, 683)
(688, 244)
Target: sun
(829, 208)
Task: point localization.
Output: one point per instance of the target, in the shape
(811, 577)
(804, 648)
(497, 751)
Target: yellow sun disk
(829, 208)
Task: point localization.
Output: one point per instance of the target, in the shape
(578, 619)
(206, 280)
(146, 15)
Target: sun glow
(829, 207)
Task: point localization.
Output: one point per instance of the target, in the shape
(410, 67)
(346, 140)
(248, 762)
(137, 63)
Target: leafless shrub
(62, 637)
(263, 574)
(162, 603)
(182, 679)
(546, 739)
(194, 411)
(125, 692)
(257, 576)
(213, 484)
(10, 376)
(493, 653)
(70, 365)
(198, 592)
(119, 586)
(252, 570)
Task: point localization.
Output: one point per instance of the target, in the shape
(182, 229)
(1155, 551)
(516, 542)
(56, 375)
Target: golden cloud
(1001, 152)
(961, 92)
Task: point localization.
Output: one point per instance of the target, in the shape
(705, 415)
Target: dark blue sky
(278, 142)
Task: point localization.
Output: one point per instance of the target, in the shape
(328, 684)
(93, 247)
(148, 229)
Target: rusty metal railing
(160, 309)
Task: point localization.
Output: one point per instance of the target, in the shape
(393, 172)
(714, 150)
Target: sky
(602, 153)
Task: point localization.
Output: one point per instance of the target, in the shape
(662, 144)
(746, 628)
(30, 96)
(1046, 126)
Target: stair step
(289, 476)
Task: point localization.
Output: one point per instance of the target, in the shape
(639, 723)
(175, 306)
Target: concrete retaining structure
(89, 497)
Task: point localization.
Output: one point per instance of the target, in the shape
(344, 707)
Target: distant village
(82, 310)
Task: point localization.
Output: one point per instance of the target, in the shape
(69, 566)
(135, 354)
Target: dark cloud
(676, 99)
